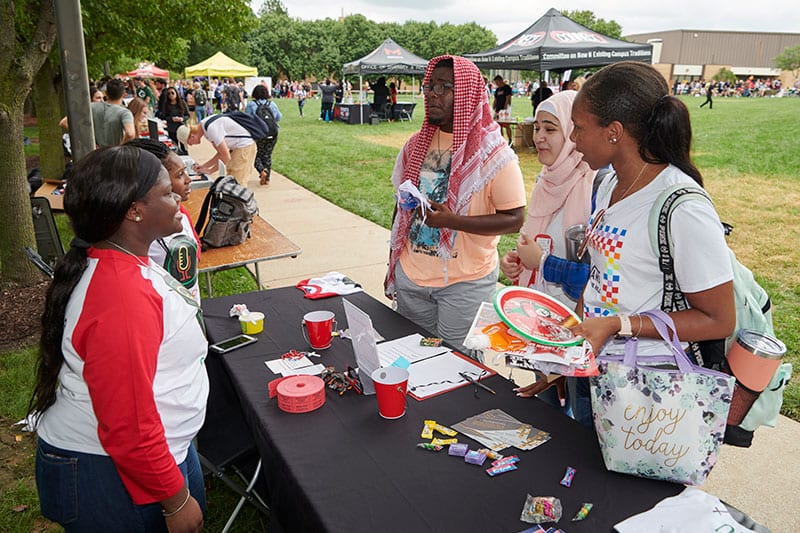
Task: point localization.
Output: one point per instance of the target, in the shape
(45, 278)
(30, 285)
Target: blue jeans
(84, 493)
(579, 403)
(200, 112)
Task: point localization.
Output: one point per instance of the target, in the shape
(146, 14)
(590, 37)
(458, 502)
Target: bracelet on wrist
(639, 330)
(180, 507)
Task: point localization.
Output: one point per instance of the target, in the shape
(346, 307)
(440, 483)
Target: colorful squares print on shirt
(609, 241)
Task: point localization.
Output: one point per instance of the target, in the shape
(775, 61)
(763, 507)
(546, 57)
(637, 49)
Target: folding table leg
(249, 496)
(208, 284)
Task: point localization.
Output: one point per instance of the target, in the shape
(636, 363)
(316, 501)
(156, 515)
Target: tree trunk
(47, 97)
(20, 59)
(16, 220)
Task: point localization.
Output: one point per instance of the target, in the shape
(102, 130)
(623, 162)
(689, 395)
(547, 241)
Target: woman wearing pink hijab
(560, 199)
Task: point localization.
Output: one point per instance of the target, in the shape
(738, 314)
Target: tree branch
(40, 44)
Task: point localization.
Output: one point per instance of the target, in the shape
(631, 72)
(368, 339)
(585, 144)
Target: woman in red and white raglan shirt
(121, 383)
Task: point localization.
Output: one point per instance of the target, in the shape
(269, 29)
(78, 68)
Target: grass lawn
(747, 150)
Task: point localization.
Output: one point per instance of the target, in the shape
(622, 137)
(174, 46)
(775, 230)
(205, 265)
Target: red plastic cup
(319, 325)
(391, 384)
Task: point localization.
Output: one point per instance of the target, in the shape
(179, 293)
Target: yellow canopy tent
(220, 65)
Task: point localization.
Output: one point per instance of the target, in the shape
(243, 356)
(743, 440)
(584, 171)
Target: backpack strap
(201, 217)
(598, 180)
(672, 298)
(212, 118)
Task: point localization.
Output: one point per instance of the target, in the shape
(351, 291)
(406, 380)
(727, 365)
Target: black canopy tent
(556, 42)
(388, 58)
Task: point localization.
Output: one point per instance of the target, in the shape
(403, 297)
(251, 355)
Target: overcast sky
(507, 19)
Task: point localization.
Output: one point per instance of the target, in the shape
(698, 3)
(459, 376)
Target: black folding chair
(48, 242)
(225, 445)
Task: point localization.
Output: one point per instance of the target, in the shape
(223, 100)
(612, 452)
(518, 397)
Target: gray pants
(446, 312)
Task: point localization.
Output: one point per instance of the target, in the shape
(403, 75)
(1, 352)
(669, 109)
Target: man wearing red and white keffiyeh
(443, 263)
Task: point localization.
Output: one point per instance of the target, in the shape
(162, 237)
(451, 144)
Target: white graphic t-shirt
(625, 276)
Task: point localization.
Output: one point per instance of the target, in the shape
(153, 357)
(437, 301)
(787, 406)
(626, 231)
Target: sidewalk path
(761, 480)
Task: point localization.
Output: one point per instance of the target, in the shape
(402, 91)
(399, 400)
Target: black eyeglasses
(437, 89)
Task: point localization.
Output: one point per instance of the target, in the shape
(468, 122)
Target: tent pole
(361, 96)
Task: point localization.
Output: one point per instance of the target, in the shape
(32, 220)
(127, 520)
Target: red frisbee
(537, 316)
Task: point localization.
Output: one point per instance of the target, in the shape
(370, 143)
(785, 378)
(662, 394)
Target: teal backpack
(753, 311)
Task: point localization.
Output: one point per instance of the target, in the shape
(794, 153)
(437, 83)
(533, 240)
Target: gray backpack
(230, 209)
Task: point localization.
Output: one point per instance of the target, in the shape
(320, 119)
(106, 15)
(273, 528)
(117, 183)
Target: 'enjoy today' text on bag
(660, 417)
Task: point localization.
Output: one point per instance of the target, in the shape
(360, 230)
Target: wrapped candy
(583, 512)
(540, 509)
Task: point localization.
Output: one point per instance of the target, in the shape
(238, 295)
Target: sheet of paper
(287, 367)
(407, 347)
(428, 377)
(313, 370)
(366, 350)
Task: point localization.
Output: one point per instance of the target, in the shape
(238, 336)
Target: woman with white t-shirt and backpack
(625, 117)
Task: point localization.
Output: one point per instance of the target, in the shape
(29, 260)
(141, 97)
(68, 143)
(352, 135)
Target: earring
(138, 218)
(613, 140)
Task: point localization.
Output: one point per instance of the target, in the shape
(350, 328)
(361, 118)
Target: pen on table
(476, 383)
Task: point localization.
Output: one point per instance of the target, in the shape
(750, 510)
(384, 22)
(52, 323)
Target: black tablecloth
(344, 468)
(352, 113)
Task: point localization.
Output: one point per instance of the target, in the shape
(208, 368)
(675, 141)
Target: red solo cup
(390, 389)
(320, 325)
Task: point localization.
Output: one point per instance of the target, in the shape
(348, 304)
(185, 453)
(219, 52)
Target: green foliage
(725, 74)
(285, 47)
(201, 49)
(156, 31)
(789, 59)
(587, 18)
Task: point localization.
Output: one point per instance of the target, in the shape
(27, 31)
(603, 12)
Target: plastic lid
(761, 344)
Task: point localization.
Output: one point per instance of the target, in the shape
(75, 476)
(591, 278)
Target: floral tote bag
(660, 417)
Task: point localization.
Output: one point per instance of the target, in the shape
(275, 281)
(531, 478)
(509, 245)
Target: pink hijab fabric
(479, 151)
(565, 185)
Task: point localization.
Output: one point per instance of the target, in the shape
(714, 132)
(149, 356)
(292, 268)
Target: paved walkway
(761, 480)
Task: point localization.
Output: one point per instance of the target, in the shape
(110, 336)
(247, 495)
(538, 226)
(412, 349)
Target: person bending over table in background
(623, 116)
(560, 199)
(265, 146)
(234, 145)
(121, 385)
(444, 264)
(502, 103)
(179, 253)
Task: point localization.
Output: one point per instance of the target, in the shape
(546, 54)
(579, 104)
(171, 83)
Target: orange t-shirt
(473, 256)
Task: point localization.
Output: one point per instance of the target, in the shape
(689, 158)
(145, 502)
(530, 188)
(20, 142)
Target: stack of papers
(488, 331)
(432, 370)
(294, 367)
(497, 430)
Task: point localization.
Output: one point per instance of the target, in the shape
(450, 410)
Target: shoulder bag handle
(666, 329)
